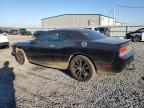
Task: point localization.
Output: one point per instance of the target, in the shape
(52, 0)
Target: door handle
(51, 45)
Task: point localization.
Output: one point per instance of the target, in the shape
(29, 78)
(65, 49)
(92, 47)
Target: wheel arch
(76, 54)
(17, 48)
(24, 53)
(22, 48)
(137, 35)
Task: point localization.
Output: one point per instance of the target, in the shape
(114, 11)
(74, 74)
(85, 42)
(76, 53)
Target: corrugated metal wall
(64, 21)
(104, 21)
(120, 31)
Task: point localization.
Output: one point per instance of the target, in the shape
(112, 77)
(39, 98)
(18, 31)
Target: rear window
(92, 35)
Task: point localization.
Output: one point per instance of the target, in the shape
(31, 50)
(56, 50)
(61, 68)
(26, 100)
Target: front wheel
(82, 69)
(21, 57)
(136, 39)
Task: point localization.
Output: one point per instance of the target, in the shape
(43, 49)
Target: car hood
(110, 40)
(22, 43)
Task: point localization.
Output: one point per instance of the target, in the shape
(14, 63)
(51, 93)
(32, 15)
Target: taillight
(123, 50)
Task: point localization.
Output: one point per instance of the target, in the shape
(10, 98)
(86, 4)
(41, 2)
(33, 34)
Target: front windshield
(92, 35)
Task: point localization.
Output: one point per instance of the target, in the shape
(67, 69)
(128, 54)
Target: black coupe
(136, 36)
(84, 52)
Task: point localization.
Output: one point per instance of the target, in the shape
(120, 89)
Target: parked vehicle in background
(29, 33)
(4, 40)
(1, 31)
(23, 31)
(136, 36)
(36, 34)
(5, 32)
(84, 52)
(14, 32)
(103, 30)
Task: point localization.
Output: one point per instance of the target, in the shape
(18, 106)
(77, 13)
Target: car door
(143, 36)
(142, 32)
(63, 50)
(41, 50)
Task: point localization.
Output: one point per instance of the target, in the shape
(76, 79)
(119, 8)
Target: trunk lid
(121, 46)
(112, 41)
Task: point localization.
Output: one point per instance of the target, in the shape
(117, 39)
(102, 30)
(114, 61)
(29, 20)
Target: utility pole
(114, 19)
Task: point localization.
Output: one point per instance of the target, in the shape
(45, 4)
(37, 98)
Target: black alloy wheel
(82, 69)
(136, 39)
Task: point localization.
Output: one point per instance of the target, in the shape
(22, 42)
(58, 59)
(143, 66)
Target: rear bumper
(117, 65)
(123, 64)
(4, 44)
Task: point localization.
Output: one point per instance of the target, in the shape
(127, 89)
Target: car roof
(77, 35)
(68, 29)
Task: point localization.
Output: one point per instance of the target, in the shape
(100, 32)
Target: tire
(21, 57)
(7, 46)
(82, 69)
(136, 39)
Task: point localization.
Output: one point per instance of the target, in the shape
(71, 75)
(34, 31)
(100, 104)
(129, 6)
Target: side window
(63, 36)
(49, 37)
(53, 37)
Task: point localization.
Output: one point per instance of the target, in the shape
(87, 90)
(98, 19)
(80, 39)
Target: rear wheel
(82, 69)
(136, 39)
(21, 57)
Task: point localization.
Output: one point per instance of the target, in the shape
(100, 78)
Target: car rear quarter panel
(98, 53)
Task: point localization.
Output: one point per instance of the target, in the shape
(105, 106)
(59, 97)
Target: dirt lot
(34, 86)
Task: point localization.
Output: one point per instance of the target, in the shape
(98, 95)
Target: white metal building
(77, 20)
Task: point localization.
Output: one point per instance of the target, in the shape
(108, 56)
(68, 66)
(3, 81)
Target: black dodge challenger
(84, 52)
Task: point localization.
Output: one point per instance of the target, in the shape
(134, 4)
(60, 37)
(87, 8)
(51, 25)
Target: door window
(53, 37)
(49, 37)
(63, 36)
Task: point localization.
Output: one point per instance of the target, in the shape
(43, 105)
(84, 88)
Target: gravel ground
(32, 86)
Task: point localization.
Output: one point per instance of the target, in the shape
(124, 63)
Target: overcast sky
(28, 13)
